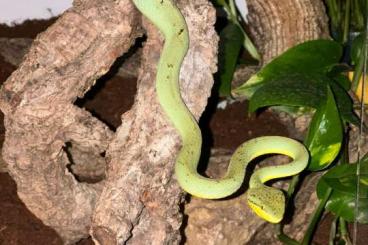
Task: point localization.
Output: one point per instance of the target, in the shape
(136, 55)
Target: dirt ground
(112, 96)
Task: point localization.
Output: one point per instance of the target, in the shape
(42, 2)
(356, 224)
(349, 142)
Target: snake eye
(267, 202)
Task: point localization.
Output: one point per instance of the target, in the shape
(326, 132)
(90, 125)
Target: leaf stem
(287, 240)
(232, 8)
(279, 227)
(333, 12)
(358, 70)
(316, 217)
(344, 231)
(333, 231)
(346, 22)
(233, 17)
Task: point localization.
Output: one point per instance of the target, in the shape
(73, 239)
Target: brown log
(276, 25)
(140, 200)
(40, 118)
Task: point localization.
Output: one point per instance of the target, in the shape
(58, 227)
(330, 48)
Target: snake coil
(267, 202)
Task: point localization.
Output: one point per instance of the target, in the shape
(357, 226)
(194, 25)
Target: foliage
(307, 75)
(345, 16)
(232, 38)
(309, 78)
(231, 41)
(309, 58)
(324, 138)
(342, 179)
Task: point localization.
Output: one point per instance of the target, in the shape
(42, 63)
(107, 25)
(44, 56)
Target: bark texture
(140, 200)
(231, 221)
(276, 25)
(42, 122)
(50, 141)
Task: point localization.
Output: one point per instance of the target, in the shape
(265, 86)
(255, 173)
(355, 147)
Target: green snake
(267, 202)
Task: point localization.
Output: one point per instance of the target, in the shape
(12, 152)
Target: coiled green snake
(267, 202)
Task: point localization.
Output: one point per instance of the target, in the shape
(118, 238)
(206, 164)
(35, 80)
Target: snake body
(267, 202)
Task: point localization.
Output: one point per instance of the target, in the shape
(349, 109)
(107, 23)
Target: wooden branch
(37, 100)
(140, 200)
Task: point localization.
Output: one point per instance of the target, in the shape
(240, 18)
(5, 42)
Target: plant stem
(316, 217)
(232, 8)
(333, 231)
(332, 9)
(248, 44)
(345, 38)
(358, 15)
(344, 231)
(291, 189)
(358, 70)
(279, 227)
(287, 240)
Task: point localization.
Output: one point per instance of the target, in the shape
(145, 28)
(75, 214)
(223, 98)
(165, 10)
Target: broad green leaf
(344, 104)
(231, 40)
(337, 70)
(343, 81)
(325, 134)
(311, 57)
(291, 90)
(342, 179)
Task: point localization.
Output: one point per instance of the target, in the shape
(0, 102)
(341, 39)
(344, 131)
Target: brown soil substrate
(112, 96)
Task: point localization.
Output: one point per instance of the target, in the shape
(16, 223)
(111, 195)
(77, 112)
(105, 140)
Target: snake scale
(267, 202)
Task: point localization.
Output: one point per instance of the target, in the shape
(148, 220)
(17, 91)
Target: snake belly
(267, 202)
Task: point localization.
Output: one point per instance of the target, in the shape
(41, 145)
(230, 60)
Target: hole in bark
(113, 94)
(66, 148)
(84, 166)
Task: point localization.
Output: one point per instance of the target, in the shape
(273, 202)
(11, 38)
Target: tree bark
(140, 200)
(232, 222)
(40, 118)
(276, 25)
(47, 136)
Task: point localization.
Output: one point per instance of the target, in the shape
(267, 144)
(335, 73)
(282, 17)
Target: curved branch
(40, 117)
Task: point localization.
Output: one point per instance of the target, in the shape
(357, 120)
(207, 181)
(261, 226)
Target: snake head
(267, 202)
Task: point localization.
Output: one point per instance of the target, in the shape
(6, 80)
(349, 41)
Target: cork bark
(50, 142)
(232, 222)
(276, 25)
(143, 150)
(49, 139)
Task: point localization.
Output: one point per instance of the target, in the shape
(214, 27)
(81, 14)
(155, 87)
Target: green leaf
(342, 179)
(343, 81)
(219, 2)
(231, 41)
(336, 69)
(291, 90)
(344, 104)
(356, 48)
(325, 134)
(311, 57)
